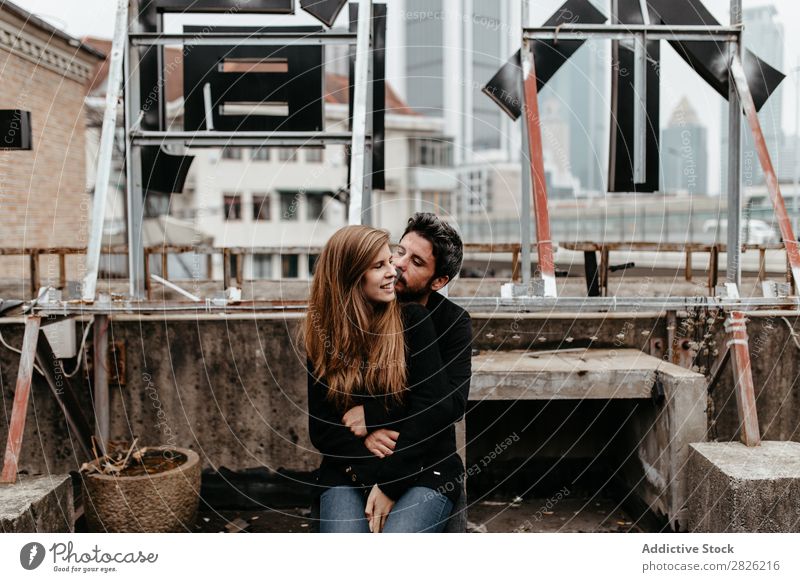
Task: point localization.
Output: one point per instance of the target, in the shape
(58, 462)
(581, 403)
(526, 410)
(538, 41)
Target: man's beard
(406, 295)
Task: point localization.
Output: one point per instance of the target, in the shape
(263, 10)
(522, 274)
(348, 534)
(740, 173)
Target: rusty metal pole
(544, 245)
(773, 187)
(101, 399)
(22, 392)
(736, 327)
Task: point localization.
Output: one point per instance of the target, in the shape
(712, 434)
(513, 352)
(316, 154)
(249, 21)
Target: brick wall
(43, 199)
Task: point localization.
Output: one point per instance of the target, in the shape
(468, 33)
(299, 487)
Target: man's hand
(377, 509)
(355, 421)
(381, 442)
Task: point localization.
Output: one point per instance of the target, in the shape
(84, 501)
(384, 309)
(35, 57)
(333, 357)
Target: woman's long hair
(352, 343)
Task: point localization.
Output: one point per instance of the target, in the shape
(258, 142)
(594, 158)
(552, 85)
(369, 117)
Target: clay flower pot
(163, 501)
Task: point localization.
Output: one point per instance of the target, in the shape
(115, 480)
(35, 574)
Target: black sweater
(438, 356)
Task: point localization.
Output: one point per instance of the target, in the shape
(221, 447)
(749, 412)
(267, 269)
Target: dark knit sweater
(438, 356)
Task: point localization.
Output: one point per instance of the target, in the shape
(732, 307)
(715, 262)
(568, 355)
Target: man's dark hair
(448, 250)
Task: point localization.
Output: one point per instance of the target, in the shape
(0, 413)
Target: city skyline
(679, 79)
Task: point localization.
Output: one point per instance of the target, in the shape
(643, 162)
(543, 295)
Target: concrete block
(734, 488)
(41, 504)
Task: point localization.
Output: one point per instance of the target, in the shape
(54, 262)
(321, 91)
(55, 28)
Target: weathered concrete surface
(42, 504)
(566, 375)
(734, 488)
(652, 448)
(652, 444)
(234, 389)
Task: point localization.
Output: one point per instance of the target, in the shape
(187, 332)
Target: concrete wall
(233, 389)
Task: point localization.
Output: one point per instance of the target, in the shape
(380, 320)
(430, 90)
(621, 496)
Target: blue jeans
(419, 510)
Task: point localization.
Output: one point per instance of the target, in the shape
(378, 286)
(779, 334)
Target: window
(431, 152)
(289, 204)
(232, 207)
(287, 154)
(314, 155)
(315, 207)
(262, 266)
(289, 268)
(312, 262)
(261, 207)
(436, 202)
(231, 154)
(260, 155)
(476, 192)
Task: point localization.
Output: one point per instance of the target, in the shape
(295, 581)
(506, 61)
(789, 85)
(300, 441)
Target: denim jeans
(419, 510)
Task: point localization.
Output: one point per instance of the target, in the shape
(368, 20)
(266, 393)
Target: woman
(375, 365)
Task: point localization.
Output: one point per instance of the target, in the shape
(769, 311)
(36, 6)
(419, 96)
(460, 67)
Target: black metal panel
(378, 92)
(325, 11)
(15, 130)
(710, 58)
(301, 87)
(163, 173)
(222, 6)
(623, 104)
(505, 88)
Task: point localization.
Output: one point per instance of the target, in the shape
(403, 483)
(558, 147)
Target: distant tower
(451, 48)
(684, 152)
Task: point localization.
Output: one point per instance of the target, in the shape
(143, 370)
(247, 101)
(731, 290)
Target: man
(428, 257)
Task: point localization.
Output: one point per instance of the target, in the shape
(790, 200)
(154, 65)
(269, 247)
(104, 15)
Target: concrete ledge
(734, 488)
(568, 375)
(42, 504)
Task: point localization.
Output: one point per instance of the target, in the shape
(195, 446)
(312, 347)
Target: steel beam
(133, 166)
(106, 151)
(242, 38)
(733, 272)
(629, 31)
(640, 111)
(22, 392)
(525, 173)
(238, 138)
(359, 210)
(102, 413)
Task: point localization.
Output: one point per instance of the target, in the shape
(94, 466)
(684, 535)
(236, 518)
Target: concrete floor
(577, 515)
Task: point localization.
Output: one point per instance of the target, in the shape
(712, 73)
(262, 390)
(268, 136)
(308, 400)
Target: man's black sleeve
(456, 353)
(430, 409)
(328, 434)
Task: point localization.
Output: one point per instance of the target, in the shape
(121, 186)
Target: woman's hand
(377, 510)
(381, 442)
(354, 420)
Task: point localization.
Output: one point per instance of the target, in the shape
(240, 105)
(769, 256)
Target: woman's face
(378, 281)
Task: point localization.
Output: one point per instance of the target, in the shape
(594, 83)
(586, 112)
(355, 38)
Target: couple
(389, 366)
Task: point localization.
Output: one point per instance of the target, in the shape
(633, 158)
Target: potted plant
(152, 489)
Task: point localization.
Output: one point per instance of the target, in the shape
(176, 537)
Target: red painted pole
(16, 428)
(773, 187)
(736, 327)
(544, 245)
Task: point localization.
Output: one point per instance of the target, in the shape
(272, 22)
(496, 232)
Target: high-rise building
(684, 153)
(450, 49)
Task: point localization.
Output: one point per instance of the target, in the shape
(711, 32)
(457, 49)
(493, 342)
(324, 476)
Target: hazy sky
(96, 18)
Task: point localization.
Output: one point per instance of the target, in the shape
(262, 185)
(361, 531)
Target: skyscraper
(684, 153)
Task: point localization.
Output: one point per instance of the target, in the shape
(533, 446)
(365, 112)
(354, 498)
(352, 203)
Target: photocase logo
(31, 555)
